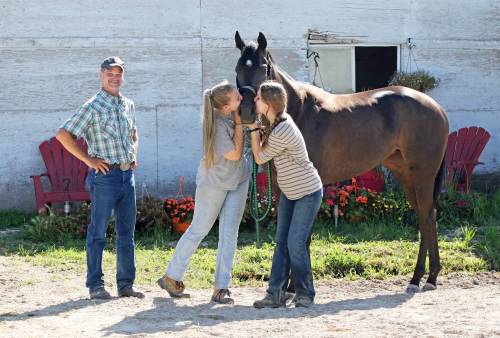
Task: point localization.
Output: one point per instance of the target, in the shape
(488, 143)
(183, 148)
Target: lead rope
(254, 200)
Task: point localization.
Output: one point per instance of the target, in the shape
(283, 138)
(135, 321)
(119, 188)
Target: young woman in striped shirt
(301, 194)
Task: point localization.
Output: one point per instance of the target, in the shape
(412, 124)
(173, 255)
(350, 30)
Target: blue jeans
(211, 202)
(113, 191)
(295, 221)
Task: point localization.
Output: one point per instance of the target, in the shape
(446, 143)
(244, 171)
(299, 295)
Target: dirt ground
(37, 303)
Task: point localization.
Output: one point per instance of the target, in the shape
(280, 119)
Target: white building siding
(50, 53)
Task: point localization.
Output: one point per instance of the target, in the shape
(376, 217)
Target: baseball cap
(113, 61)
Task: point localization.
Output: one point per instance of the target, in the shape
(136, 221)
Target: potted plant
(419, 80)
(180, 212)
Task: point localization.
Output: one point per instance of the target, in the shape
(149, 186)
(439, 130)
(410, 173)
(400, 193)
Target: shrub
(53, 227)
(455, 207)
(149, 214)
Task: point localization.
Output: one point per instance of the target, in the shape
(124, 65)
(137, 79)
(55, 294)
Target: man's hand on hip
(98, 165)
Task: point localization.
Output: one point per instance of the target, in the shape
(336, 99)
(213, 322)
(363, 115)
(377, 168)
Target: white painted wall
(50, 53)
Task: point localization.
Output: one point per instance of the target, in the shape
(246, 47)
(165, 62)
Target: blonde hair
(214, 98)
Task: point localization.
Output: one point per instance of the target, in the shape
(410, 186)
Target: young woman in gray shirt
(221, 191)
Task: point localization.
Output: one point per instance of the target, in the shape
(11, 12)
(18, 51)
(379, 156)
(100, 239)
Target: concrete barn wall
(50, 52)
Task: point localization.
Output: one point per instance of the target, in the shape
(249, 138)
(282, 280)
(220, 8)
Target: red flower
(362, 199)
(180, 210)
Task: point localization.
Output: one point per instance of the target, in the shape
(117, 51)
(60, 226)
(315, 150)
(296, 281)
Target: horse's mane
(333, 102)
(325, 100)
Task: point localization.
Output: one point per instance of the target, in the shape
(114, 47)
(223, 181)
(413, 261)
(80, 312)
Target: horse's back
(391, 110)
(358, 131)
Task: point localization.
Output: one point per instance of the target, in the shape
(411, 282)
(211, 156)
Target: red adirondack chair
(372, 179)
(462, 155)
(65, 172)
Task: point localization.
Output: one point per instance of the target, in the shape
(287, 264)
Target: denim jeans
(210, 203)
(295, 221)
(113, 191)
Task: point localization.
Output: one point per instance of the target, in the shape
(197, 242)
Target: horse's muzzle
(247, 106)
(247, 112)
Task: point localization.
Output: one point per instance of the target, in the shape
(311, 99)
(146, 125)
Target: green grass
(348, 252)
(469, 242)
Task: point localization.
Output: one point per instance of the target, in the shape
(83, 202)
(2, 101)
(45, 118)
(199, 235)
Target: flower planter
(180, 227)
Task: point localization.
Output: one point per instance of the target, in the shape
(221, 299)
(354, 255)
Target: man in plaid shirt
(107, 123)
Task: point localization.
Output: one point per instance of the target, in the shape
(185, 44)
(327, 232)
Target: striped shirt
(297, 176)
(107, 123)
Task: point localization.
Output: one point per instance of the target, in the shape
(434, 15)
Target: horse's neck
(292, 87)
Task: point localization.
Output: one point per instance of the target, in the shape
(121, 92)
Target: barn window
(352, 67)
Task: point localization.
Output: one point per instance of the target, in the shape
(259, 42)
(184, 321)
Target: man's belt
(121, 166)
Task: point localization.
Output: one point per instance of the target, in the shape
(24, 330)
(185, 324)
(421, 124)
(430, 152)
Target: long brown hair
(214, 98)
(273, 94)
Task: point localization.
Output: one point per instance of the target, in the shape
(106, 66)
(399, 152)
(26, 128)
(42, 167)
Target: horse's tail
(438, 182)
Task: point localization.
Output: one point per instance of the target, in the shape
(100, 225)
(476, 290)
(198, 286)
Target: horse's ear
(240, 44)
(262, 41)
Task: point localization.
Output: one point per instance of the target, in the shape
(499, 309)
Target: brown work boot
(174, 288)
(269, 302)
(222, 296)
(130, 291)
(303, 301)
(99, 293)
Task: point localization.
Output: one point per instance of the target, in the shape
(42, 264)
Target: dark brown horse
(347, 135)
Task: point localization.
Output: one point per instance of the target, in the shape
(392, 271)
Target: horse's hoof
(411, 288)
(429, 287)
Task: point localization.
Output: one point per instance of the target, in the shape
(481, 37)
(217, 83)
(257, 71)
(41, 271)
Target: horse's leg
(428, 232)
(397, 165)
(434, 260)
(422, 250)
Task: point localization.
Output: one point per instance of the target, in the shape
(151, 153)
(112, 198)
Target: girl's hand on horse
(253, 125)
(237, 118)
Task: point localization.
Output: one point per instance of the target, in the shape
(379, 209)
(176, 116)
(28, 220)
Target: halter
(250, 87)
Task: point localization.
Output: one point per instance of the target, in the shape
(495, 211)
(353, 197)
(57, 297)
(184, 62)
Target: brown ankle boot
(222, 296)
(174, 288)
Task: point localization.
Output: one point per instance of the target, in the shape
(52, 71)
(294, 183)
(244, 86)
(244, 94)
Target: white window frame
(352, 47)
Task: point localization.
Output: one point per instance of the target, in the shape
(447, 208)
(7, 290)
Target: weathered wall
(50, 52)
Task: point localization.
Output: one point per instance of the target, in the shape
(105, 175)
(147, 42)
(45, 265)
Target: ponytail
(209, 129)
(214, 98)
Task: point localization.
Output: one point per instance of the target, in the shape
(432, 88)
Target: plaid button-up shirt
(107, 123)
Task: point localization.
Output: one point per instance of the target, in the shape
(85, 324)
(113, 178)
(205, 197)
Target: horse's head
(253, 68)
